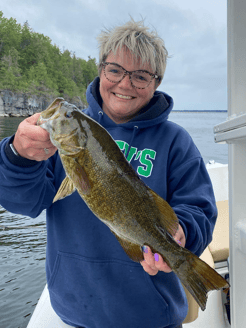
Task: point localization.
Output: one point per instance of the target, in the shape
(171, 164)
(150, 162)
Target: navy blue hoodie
(91, 281)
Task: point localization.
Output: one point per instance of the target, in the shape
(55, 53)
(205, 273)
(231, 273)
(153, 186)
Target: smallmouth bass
(135, 214)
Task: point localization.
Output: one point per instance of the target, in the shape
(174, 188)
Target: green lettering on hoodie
(147, 167)
(145, 158)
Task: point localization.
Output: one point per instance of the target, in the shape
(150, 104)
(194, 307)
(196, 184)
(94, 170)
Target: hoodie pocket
(109, 293)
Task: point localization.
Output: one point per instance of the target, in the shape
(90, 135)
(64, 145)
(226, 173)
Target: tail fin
(199, 278)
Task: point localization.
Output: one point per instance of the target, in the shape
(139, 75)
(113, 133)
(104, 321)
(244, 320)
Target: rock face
(23, 104)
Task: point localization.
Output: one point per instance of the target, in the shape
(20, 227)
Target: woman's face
(121, 101)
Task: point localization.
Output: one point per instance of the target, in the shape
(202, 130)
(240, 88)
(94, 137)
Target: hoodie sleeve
(25, 190)
(190, 193)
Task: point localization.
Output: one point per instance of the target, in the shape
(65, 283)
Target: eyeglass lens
(115, 73)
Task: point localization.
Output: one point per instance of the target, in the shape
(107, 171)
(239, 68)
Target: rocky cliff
(24, 104)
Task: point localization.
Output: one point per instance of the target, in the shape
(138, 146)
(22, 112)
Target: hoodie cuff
(17, 160)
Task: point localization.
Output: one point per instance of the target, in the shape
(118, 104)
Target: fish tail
(199, 278)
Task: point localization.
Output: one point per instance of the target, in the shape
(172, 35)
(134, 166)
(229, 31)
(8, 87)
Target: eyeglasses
(140, 79)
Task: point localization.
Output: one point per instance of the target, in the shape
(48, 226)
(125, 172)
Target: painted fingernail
(179, 242)
(156, 257)
(145, 249)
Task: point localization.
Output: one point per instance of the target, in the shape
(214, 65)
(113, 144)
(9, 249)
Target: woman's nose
(126, 82)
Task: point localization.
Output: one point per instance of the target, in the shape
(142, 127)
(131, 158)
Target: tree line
(30, 63)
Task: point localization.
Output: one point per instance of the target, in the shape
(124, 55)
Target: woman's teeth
(123, 97)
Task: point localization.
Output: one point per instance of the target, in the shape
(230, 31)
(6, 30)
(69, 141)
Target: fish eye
(69, 114)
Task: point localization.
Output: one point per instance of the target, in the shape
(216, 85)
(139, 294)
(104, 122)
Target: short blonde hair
(143, 43)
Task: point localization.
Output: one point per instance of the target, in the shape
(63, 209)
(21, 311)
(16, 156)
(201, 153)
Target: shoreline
(173, 111)
(21, 104)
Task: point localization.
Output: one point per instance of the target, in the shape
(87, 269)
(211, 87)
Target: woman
(92, 282)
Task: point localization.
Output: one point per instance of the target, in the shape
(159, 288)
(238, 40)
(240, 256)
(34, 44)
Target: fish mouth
(47, 114)
(53, 107)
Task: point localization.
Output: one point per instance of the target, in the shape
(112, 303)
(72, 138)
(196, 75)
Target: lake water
(23, 240)
(200, 127)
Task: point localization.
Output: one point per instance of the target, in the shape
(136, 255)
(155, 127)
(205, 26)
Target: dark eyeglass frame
(153, 76)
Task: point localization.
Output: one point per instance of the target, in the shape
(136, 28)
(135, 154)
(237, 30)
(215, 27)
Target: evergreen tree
(10, 72)
(10, 33)
(30, 63)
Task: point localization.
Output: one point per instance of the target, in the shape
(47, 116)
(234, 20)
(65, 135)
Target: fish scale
(136, 215)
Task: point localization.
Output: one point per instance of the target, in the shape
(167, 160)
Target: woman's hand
(32, 141)
(153, 263)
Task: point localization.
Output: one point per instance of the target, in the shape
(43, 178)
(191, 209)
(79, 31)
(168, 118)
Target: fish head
(63, 122)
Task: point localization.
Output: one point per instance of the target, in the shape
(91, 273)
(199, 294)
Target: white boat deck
(214, 316)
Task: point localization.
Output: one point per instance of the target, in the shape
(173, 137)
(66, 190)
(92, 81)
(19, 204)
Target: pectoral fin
(132, 250)
(77, 174)
(80, 179)
(66, 188)
(169, 219)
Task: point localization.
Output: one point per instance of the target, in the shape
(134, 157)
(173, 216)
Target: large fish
(137, 216)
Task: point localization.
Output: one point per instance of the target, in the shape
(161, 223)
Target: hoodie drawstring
(100, 113)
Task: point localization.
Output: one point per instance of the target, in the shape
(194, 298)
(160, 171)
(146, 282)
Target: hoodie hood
(154, 113)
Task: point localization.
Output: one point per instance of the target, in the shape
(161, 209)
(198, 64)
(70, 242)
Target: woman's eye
(141, 78)
(114, 71)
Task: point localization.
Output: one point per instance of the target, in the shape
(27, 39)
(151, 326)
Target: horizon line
(202, 110)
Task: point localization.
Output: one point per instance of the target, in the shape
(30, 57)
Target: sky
(194, 32)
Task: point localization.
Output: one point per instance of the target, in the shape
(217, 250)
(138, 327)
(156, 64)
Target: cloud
(194, 33)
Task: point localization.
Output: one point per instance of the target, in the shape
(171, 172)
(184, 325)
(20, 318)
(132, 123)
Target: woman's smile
(125, 97)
